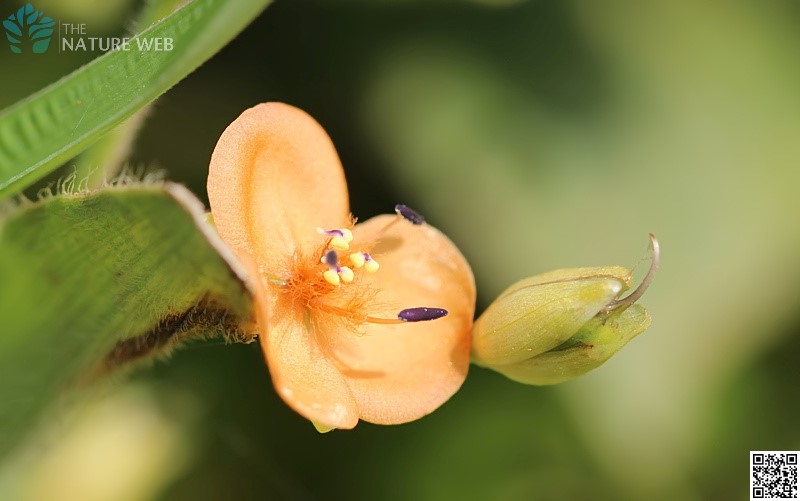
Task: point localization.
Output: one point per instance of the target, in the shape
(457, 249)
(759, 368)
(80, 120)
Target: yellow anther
(358, 259)
(339, 243)
(331, 277)
(346, 274)
(371, 266)
(347, 234)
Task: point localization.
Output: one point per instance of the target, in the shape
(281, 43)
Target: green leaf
(50, 127)
(103, 160)
(81, 275)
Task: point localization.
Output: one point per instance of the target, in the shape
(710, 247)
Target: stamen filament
(405, 316)
(404, 212)
(389, 225)
(385, 321)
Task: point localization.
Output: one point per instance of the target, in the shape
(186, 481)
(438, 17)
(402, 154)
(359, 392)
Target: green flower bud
(559, 325)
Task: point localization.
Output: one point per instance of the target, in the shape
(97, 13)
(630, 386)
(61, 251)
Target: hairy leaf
(92, 281)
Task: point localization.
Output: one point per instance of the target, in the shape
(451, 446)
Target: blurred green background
(537, 135)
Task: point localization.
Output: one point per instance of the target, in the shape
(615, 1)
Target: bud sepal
(596, 342)
(557, 326)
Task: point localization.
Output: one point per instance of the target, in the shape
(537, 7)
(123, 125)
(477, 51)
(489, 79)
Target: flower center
(325, 284)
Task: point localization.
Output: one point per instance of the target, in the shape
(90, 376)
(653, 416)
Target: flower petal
(301, 373)
(304, 377)
(274, 178)
(401, 372)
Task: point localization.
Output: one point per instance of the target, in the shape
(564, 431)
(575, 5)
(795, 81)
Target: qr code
(773, 474)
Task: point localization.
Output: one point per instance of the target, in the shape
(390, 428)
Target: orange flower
(338, 305)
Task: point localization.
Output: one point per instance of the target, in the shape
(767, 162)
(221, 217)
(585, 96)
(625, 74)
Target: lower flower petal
(302, 374)
(399, 373)
(304, 377)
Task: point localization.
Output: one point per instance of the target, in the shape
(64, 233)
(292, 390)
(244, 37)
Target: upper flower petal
(401, 372)
(274, 178)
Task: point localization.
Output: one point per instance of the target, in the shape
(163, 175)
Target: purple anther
(421, 314)
(409, 214)
(332, 259)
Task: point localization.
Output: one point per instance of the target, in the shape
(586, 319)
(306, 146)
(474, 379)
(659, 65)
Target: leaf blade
(115, 264)
(48, 128)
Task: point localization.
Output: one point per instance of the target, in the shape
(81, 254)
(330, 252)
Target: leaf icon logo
(28, 30)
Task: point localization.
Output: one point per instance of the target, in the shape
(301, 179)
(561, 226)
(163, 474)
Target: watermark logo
(28, 30)
(74, 38)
